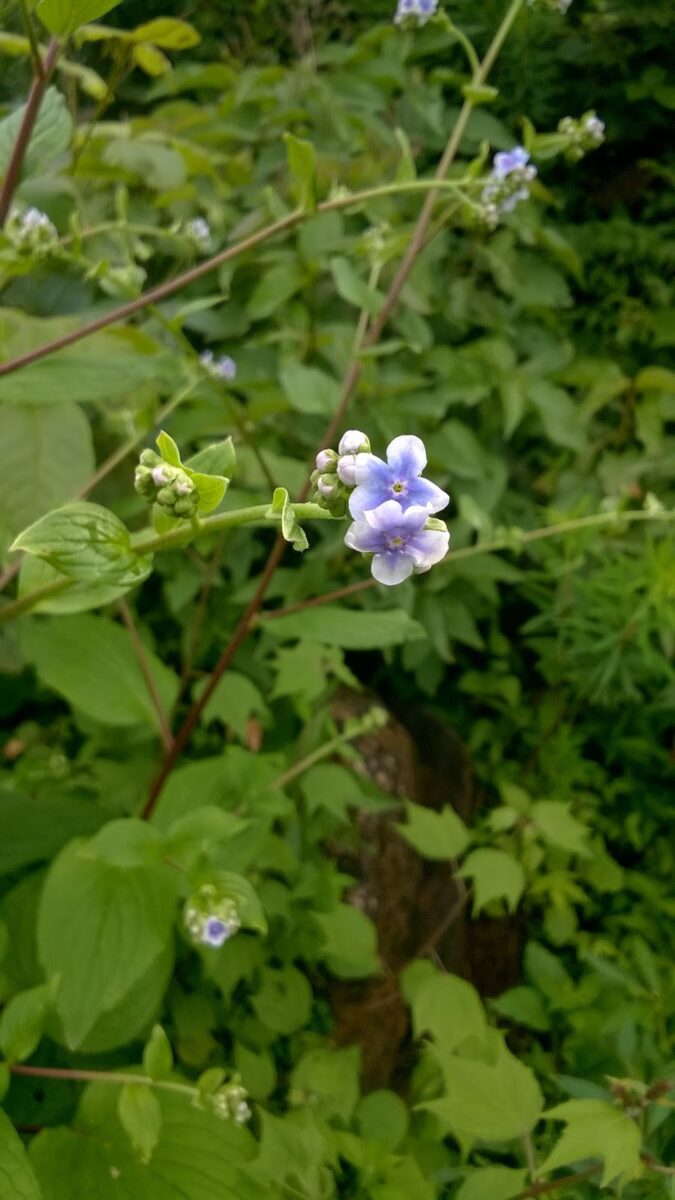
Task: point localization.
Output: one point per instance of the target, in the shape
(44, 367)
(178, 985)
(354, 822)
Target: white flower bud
(354, 442)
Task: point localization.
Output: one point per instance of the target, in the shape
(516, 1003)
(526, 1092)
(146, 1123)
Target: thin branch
(449, 920)
(29, 28)
(339, 594)
(146, 672)
(554, 1185)
(32, 108)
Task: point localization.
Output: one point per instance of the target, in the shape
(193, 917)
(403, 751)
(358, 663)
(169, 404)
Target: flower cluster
(198, 231)
(31, 231)
(211, 919)
(392, 505)
(230, 1102)
(560, 6)
(508, 184)
(224, 369)
(334, 474)
(169, 487)
(418, 11)
(583, 134)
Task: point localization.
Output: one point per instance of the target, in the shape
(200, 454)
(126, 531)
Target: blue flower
(224, 369)
(397, 479)
(420, 10)
(398, 541)
(509, 160)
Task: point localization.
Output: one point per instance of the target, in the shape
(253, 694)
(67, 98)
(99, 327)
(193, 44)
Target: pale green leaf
(309, 390)
(302, 165)
(557, 826)
(275, 287)
(350, 942)
(493, 1183)
(73, 598)
(63, 17)
(352, 288)
(157, 1054)
(382, 1116)
(140, 1116)
(17, 1177)
(524, 1006)
(23, 1021)
(88, 543)
(217, 459)
(50, 137)
(491, 1101)
(330, 1078)
(436, 835)
(91, 662)
(284, 1000)
(496, 875)
(47, 456)
(99, 927)
(596, 1129)
(234, 702)
(349, 628)
(444, 1006)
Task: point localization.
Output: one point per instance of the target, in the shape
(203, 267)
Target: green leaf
(436, 835)
(140, 1115)
(352, 288)
(167, 32)
(74, 598)
(249, 908)
(63, 17)
(257, 1070)
(47, 456)
(496, 875)
(50, 137)
(99, 928)
(234, 702)
(23, 1021)
(36, 824)
(493, 1183)
(596, 1129)
(290, 526)
(557, 826)
(210, 490)
(445, 1006)
(17, 1177)
(218, 459)
(491, 1101)
(168, 449)
(329, 1080)
(198, 1157)
(87, 543)
(350, 942)
(350, 628)
(157, 1055)
(523, 1006)
(659, 379)
(309, 390)
(382, 1116)
(111, 368)
(302, 165)
(284, 999)
(277, 286)
(91, 662)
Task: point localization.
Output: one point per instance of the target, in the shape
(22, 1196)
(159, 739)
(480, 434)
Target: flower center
(400, 487)
(395, 543)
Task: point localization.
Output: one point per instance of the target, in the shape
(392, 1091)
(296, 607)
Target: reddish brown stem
(351, 590)
(146, 672)
(35, 98)
(184, 733)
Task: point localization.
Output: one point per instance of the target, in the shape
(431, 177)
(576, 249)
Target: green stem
(355, 730)
(117, 1078)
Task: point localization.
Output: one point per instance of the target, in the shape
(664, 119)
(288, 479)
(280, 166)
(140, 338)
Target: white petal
(407, 456)
(391, 568)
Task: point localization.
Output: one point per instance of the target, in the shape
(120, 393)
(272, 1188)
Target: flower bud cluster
(230, 1103)
(211, 918)
(31, 231)
(583, 133)
(169, 487)
(224, 369)
(507, 184)
(334, 476)
(198, 232)
(414, 11)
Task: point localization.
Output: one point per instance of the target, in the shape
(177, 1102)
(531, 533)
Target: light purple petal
(387, 517)
(368, 468)
(413, 519)
(367, 496)
(428, 548)
(406, 456)
(392, 567)
(428, 495)
(362, 537)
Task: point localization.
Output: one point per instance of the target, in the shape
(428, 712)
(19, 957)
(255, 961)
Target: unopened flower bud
(198, 231)
(327, 486)
(326, 460)
(347, 470)
(354, 442)
(31, 232)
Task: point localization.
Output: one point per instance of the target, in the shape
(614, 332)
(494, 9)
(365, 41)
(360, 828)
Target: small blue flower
(419, 10)
(398, 479)
(215, 932)
(398, 541)
(507, 161)
(224, 369)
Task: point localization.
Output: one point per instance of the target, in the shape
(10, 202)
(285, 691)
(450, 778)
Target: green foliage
(533, 360)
